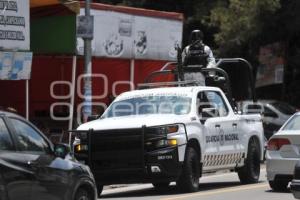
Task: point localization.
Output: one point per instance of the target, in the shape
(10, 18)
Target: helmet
(196, 35)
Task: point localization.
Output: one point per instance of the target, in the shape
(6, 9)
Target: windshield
(177, 105)
(293, 124)
(284, 108)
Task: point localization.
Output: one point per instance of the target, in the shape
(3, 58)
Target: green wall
(53, 35)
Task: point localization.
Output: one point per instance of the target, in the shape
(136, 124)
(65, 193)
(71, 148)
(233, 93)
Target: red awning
(71, 4)
(136, 11)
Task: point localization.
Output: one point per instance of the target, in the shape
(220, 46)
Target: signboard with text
(271, 65)
(124, 35)
(85, 27)
(14, 25)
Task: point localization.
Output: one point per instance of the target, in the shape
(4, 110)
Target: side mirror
(93, 117)
(61, 150)
(207, 113)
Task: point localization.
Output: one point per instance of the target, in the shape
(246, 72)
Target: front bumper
(280, 167)
(167, 160)
(136, 155)
(159, 166)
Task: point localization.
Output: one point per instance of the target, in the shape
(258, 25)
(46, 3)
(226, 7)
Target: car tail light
(276, 143)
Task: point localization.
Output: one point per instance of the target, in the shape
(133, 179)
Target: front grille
(118, 149)
(123, 150)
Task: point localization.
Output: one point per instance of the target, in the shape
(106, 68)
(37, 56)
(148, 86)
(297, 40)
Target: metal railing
(205, 71)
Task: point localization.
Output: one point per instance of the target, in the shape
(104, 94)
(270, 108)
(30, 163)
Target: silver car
(283, 152)
(275, 113)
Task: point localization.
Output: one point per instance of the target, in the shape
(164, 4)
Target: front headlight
(79, 148)
(158, 136)
(166, 143)
(163, 130)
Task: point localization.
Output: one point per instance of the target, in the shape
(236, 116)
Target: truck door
(222, 145)
(230, 148)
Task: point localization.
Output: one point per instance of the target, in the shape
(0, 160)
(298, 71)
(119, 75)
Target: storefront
(128, 44)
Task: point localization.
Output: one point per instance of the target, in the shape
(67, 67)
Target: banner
(14, 25)
(120, 35)
(271, 65)
(15, 65)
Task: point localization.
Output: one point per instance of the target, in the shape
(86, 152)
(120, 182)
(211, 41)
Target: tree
(240, 23)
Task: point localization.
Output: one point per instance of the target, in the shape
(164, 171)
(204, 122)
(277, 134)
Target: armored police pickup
(164, 134)
(170, 134)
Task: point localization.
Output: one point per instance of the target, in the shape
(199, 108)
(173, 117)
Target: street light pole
(87, 108)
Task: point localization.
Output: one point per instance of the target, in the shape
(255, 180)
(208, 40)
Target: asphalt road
(224, 186)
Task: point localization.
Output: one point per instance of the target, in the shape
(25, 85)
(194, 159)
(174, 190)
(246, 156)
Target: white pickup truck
(161, 135)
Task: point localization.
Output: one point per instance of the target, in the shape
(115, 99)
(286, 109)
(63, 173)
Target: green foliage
(240, 21)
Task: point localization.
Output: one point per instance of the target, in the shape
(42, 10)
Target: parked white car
(274, 113)
(283, 152)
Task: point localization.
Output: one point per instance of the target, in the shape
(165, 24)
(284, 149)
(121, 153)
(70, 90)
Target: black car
(32, 168)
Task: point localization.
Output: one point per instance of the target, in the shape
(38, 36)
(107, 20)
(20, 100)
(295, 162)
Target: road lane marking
(218, 191)
(207, 176)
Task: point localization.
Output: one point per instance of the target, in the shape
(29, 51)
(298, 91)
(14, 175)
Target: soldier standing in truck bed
(197, 54)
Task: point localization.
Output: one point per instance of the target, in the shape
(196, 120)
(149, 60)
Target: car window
(202, 102)
(269, 113)
(284, 108)
(293, 124)
(218, 102)
(28, 138)
(211, 99)
(5, 138)
(150, 104)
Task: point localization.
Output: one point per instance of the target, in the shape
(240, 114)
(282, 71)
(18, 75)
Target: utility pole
(87, 108)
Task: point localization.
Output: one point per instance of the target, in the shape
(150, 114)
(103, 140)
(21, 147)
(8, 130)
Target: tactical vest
(196, 55)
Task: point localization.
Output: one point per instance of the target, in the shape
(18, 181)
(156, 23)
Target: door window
(269, 113)
(28, 138)
(218, 102)
(202, 102)
(212, 99)
(5, 139)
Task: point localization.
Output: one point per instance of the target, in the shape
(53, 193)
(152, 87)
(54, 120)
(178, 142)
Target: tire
(189, 178)
(82, 194)
(250, 172)
(161, 186)
(279, 185)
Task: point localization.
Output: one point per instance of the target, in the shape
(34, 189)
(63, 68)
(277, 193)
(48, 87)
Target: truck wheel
(249, 173)
(278, 185)
(82, 194)
(189, 178)
(161, 186)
